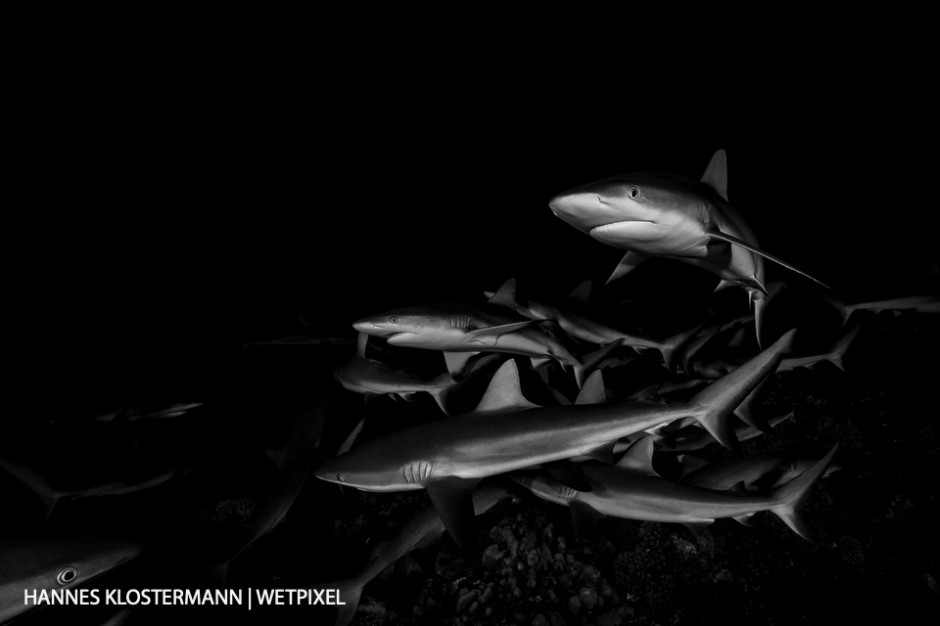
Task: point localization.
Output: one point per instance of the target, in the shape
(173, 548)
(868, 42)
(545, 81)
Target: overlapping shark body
(668, 215)
(507, 433)
(632, 490)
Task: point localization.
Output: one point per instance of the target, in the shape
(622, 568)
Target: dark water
(156, 238)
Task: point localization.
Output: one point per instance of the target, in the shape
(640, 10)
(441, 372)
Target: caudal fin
(717, 402)
(792, 494)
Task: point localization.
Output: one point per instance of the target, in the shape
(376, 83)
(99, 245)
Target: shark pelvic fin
(453, 500)
(639, 457)
(716, 174)
(627, 264)
(717, 234)
(504, 392)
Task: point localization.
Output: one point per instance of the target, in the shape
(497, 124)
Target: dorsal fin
(593, 390)
(582, 293)
(457, 361)
(716, 174)
(506, 295)
(504, 392)
(639, 457)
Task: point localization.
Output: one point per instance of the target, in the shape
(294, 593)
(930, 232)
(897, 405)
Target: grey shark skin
(668, 215)
(423, 527)
(463, 328)
(364, 376)
(638, 493)
(583, 326)
(507, 433)
(51, 563)
(756, 472)
(51, 496)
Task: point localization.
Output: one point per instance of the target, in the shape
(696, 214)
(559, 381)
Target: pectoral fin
(453, 500)
(568, 476)
(627, 264)
(583, 517)
(717, 234)
(496, 331)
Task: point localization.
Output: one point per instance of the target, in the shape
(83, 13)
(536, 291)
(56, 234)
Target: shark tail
(792, 494)
(717, 402)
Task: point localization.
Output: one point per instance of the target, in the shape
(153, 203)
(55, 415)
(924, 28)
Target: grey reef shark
(668, 215)
(507, 432)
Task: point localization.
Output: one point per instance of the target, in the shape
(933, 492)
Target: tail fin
(758, 301)
(794, 492)
(717, 402)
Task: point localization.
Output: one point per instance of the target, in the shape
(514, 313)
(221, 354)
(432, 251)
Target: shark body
(507, 433)
(54, 563)
(672, 216)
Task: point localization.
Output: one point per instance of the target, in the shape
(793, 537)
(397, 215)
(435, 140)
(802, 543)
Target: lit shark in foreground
(667, 215)
(425, 527)
(54, 563)
(632, 490)
(463, 328)
(507, 433)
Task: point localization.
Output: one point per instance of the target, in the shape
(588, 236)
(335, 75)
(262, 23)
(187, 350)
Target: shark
(752, 472)
(673, 216)
(50, 564)
(420, 530)
(455, 328)
(584, 327)
(368, 377)
(631, 489)
(507, 432)
(50, 495)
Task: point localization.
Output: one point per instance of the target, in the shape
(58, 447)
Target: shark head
(370, 469)
(635, 211)
(414, 326)
(48, 563)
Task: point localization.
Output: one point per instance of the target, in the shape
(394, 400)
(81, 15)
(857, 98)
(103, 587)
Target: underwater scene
(474, 371)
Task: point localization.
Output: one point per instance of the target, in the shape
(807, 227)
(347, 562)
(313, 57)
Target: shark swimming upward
(668, 215)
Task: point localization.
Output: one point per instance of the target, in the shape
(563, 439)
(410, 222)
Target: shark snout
(584, 210)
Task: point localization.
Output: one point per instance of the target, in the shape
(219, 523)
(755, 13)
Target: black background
(161, 215)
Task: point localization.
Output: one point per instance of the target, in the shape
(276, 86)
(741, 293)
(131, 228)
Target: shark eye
(67, 575)
(393, 319)
(634, 192)
(341, 478)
